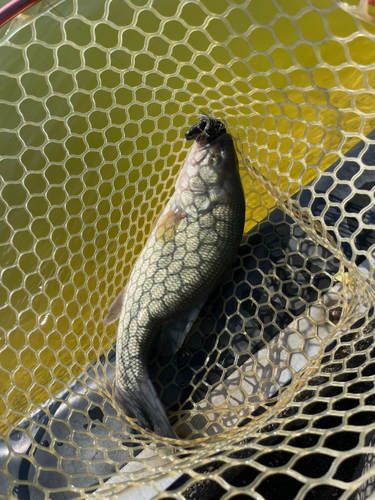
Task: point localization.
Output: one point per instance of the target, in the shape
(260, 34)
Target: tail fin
(143, 404)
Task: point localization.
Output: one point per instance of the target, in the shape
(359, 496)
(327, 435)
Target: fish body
(187, 254)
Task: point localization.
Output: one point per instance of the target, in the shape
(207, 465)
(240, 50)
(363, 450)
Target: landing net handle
(14, 9)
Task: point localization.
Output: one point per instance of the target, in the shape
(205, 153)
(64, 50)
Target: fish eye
(215, 160)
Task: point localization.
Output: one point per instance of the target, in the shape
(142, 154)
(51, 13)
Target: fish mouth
(223, 142)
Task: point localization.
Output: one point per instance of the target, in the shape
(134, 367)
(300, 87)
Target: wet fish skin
(188, 252)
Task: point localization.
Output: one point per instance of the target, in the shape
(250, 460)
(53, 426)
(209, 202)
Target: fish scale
(187, 254)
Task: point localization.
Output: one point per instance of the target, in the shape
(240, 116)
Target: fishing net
(272, 394)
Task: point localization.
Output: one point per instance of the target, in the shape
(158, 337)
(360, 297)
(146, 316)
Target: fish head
(209, 175)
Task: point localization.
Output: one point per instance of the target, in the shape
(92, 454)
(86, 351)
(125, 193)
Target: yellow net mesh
(272, 394)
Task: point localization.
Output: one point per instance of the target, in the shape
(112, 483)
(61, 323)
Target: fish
(188, 253)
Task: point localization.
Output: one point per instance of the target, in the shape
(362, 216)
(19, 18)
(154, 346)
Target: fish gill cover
(271, 394)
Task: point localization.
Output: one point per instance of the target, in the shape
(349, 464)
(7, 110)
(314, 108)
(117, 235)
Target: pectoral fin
(114, 311)
(173, 332)
(168, 224)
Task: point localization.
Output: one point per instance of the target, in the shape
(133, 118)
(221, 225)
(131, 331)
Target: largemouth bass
(187, 254)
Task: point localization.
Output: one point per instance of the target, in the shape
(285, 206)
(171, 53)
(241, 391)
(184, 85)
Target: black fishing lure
(207, 129)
